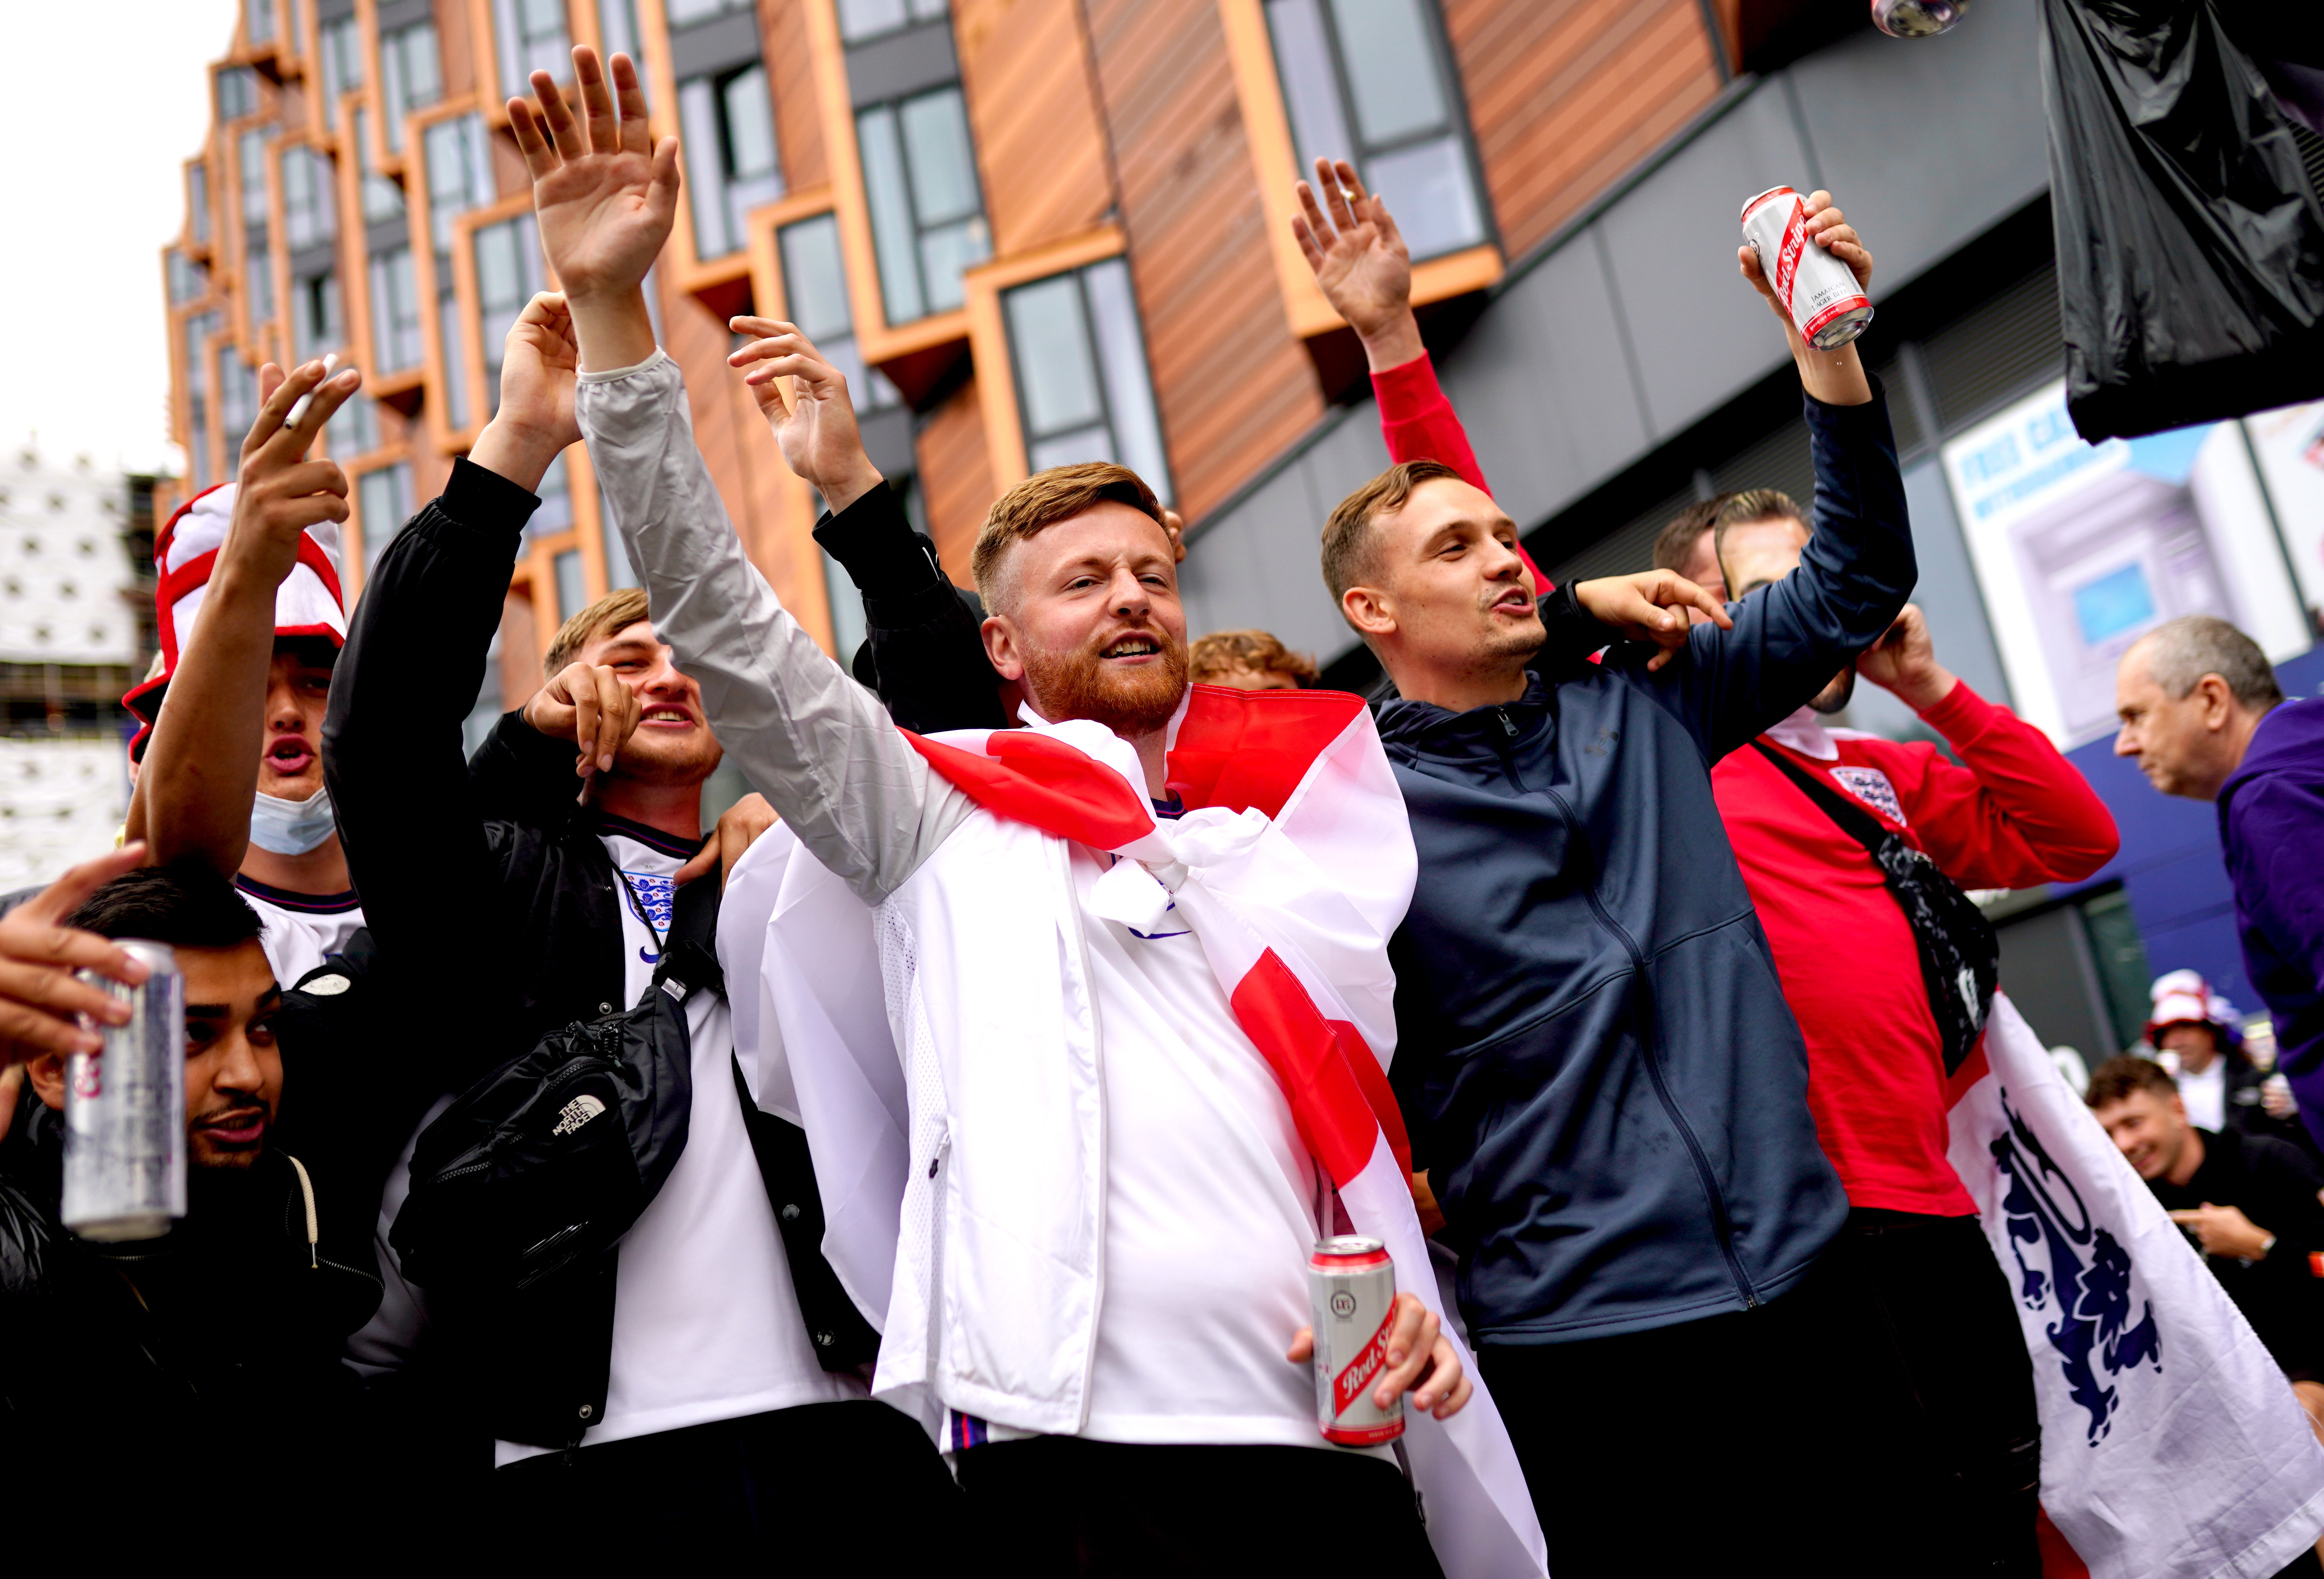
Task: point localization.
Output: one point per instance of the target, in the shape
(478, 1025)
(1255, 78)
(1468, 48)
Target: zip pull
(1508, 727)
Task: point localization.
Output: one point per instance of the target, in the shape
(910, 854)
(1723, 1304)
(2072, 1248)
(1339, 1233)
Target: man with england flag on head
(1087, 1021)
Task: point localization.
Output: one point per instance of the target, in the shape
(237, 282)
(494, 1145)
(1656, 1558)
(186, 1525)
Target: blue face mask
(291, 828)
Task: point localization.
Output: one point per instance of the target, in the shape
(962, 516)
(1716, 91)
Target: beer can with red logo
(1827, 305)
(1352, 1289)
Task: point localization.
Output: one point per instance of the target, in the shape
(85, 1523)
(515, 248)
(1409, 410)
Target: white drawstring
(307, 1188)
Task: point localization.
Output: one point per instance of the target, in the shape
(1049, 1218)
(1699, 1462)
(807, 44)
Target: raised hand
(278, 493)
(815, 427)
(1904, 662)
(739, 828)
(1835, 378)
(40, 997)
(589, 704)
(1649, 606)
(1361, 263)
(606, 195)
(538, 364)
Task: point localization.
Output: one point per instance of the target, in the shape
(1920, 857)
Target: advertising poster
(2290, 445)
(2081, 549)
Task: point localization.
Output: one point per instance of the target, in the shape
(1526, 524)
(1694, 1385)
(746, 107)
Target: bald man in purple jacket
(2201, 712)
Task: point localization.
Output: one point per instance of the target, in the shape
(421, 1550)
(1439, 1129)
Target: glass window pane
(750, 125)
(237, 400)
(891, 215)
(197, 199)
(1057, 374)
(1392, 69)
(382, 506)
(943, 255)
(683, 13)
(814, 278)
(556, 491)
(929, 9)
(454, 343)
(864, 19)
(698, 121)
(459, 173)
(1121, 358)
(1071, 450)
(572, 589)
(353, 428)
(252, 148)
(1428, 190)
(1310, 92)
(339, 46)
(617, 27)
(935, 144)
(258, 269)
(258, 20)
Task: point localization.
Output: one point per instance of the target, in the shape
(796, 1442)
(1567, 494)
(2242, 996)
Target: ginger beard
(1130, 699)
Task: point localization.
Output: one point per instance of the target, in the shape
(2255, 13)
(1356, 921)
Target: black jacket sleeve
(926, 642)
(1791, 638)
(522, 775)
(393, 752)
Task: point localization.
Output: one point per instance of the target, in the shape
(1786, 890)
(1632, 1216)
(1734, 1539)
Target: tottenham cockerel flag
(1292, 863)
(2171, 1445)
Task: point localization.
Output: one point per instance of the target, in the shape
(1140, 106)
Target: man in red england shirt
(2014, 814)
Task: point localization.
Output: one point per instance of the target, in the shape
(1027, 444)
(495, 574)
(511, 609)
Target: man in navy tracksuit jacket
(1603, 1082)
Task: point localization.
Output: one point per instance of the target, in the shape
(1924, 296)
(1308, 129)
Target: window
(197, 199)
(1367, 81)
(867, 19)
(410, 74)
(395, 311)
(314, 323)
(309, 217)
(353, 428)
(617, 28)
(199, 331)
(530, 36)
(1083, 392)
(237, 92)
(729, 118)
(687, 12)
(815, 291)
(257, 21)
(928, 216)
(509, 269)
(340, 45)
(258, 278)
(459, 178)
(187, 279)
(555, 495)
(572, 587)
(382, 200)
(237, 400)
(382, 504)
(250, 149)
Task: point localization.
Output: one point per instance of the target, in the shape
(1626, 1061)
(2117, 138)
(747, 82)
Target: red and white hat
(309, 602)
(2183, 997)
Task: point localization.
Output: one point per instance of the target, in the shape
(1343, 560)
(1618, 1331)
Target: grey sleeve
(818, 745)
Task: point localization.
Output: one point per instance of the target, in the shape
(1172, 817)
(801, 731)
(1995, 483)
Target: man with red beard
(1123, 1238)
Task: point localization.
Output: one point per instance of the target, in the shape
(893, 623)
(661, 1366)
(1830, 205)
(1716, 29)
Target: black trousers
(1879, 1418)
(844, 1488)
(1060, 1505)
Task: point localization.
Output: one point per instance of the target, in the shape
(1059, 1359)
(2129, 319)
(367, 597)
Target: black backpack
(548, 1160)
(1960, 957)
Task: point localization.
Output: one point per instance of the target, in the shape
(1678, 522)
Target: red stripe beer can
(1351, 1290)
(1828, 307)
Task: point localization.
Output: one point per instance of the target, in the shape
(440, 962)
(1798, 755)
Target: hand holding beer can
(1828, 307)
(124, 1174)
(1351, 1292)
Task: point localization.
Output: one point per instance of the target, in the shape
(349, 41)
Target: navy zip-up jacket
(1594, 1055)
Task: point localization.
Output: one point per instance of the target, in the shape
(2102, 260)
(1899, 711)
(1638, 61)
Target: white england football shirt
(706, 1324)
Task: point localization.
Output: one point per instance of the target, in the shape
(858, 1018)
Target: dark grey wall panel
(1222, 582)
(1926, 142)
(1543, 382)
(1701, 334)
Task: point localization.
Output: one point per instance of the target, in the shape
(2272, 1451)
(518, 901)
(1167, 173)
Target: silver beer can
(1351, 1292)
(126, 1109)
(1828, 307)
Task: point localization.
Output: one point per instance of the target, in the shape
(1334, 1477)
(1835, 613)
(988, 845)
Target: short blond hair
(616, 610)
(1047, 499)
(1350, 546)
(1259, 651)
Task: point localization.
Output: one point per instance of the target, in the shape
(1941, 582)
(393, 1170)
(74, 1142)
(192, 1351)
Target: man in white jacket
(1105, 1238)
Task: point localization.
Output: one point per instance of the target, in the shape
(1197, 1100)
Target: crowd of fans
(1681, 972)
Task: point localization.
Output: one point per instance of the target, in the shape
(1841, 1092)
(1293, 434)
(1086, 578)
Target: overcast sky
(94, 192)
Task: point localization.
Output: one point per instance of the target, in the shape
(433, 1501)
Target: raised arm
(928, 650)
(816, 743)
(200, 775)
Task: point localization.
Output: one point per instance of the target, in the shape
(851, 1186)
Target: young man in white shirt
(1111, 1352)
(678, 1381)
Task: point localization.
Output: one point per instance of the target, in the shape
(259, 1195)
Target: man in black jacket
(699, 1379)
(197, 1376)
(1596, 1061)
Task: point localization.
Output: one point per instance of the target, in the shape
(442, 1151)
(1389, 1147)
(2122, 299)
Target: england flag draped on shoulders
(2171, 1445)
(1292, 862)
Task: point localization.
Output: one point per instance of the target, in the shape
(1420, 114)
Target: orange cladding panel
(955, 477)
(1040, 148)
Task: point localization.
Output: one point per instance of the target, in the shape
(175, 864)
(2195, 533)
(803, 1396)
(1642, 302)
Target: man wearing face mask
(254, 679)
